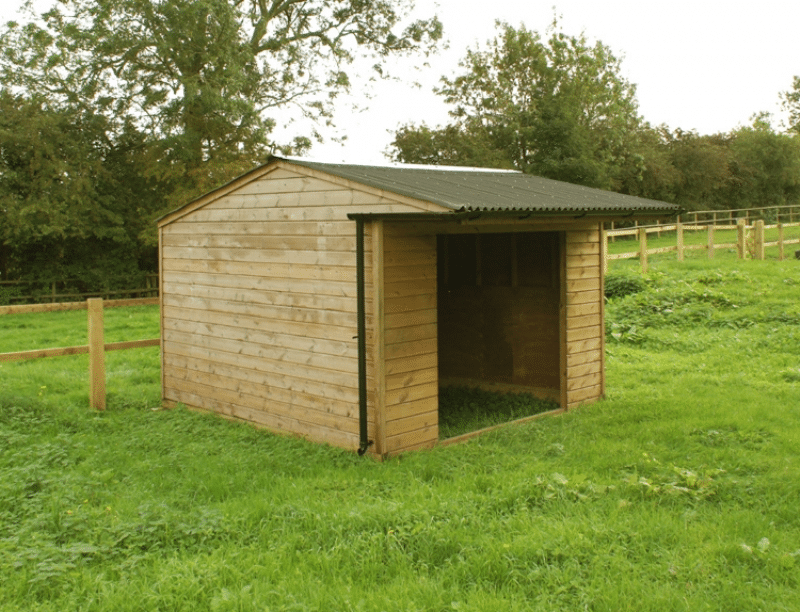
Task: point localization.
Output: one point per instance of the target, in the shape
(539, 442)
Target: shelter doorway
(498, 301)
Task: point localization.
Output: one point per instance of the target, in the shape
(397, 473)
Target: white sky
(705, 65)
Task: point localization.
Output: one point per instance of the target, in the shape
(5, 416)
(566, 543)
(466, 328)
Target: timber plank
(582, 248)
(314, 258)
(412, 378)
(267, 311)
(323, 332)
(292, 427)
(576, 359)
(265, 229)
(412, 363)
(407, 395)
(411, 349)
(420, 438)
(584, 321)
(263, 402)
(581, 346)
(411, 318)
(254, 296)
(255, 362)
(267, 241)
(266, 283)
(292, 397)
(277, 340)
(271, 353)
(262, 269)
(425, 420)
(238, 371)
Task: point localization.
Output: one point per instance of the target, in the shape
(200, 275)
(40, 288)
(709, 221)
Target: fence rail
(750, 239)
(96, 348)
(52, 295)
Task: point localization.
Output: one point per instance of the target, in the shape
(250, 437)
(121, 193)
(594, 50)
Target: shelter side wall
(259, 307)
(584, 317)
(409, 339)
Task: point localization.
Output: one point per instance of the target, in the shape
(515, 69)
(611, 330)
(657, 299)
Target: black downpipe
(364, 440)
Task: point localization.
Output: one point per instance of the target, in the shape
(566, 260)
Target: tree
(790, 101)
(557, 107)
(766, 166)
(201, 77)
(59, 197)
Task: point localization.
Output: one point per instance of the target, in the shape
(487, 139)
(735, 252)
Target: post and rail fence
(96, 348)
(57, 291)
(749, 224)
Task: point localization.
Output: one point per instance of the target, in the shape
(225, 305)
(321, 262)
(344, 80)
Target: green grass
(625, 244)
(463, 409)
(678, 492)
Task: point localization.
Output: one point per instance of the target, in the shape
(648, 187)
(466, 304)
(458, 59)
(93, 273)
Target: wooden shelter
(331, 301)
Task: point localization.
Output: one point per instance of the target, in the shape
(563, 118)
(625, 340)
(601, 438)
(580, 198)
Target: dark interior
(498, 301)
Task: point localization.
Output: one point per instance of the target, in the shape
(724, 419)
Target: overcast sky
(705, 65)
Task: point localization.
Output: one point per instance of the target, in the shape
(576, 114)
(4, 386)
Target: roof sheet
(485, 190)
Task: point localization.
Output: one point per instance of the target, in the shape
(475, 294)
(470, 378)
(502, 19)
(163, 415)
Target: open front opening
(498, 317)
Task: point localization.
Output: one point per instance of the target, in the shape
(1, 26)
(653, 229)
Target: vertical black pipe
(362, 340)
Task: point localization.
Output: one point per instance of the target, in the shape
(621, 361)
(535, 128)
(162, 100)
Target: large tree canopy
(201, 77)
(121, 109)
(556, 107)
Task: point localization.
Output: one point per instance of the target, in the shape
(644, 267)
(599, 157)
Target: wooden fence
(96, 347)
(750, 239)
(52, 294)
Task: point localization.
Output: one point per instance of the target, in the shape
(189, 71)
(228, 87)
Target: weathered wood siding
(259, 305)
(583, 318)
(410, 374)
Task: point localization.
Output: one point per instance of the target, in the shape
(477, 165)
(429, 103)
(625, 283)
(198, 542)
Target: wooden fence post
(679, 229)
(780, 242)
(741, 237)
(643, 248)
(97, 353)
(711, 240)
(759, 239)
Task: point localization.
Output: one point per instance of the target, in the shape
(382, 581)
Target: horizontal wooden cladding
(266, 311)
(264, 229)
(578, 358)
(273, 183)
(311, 331)
(276, 340)
(310, 365)
(286, 387)
(577, 236)
(262, 256)
(261, 418)
(426, 420)
(262, 270)
(266, 241)
(320, 205)
(581, 310)
(321, 368)
(584, 321)
(336, 288)
(587, 394)
(254, 296)
(285, 401)
(412, 363)
(582, 248)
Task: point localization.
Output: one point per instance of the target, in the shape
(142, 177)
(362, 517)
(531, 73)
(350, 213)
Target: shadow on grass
(464, 409)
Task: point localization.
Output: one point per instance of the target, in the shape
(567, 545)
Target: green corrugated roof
(485, 190)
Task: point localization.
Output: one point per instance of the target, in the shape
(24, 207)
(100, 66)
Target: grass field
(678, 492)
